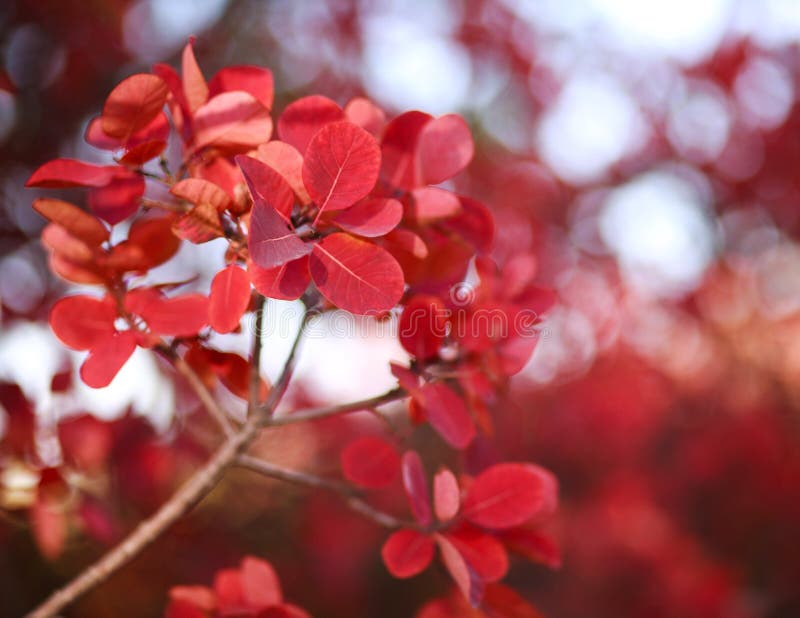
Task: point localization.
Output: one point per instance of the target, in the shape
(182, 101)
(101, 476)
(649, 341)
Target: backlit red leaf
(431, 204)
(150, 242)
(533, 545)
(60, 173)
(371, 217)
(270, 241)
(195, 89)
(446, 495)
(74, 220)
(341, 165)
(255, 80)
(285, 282)
(483, 553)
(81, 322)
(356, 275)
(399, 160)
(467, 579)
(448, 414)
(232, 121)
(366, 115)
(288, 162)
(117, 200)
(506, 495)
(260, 585)
(370, 462)
(106, 358)
(416, 487)
(199, 225)
(133, 104)
(229, 298)
(444, 148)
(181, 316)
(302, 119)
(199, 191)
(423, 326)
(407, 553)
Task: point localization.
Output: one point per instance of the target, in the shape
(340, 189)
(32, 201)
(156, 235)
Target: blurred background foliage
(648, 154)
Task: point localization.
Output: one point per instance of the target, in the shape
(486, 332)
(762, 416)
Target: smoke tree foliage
(343, 209)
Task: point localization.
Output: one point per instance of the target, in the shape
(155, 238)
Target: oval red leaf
(356, 275)
(371, 217)
(133, 104)
(366, 115)
(399, 162)
(106, 358)
(199, 191)
(431, 204)
(270, 241)
(232, 121)
(341, 165)
(466, 578)
(448, 414)
(370, 462)
(444, 148)
(423, 326)
(62, 173)
(195, 89)
(288, 162)
(483, 553)
(181, 316)
(260, 585)
(229, 298)
(407, 553)
(446, 495)
(255, 80)
(285, 282)
(81, 322)
(74, 220)
(416, 487)
(504, 496)
(117, 200)
(302, 119)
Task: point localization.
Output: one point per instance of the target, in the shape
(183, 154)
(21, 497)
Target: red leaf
(199, 225)
(302, 119)
(229, 298)
(466, 578)
(181, 316)
(150, 242)
(416, 487)
(475, 224)
(483, 553)
(61, 173)
(407, 553)
(532, 545)
(133, 104)
(85, 441)
(431, 204)
(371, 217)
(447, 413)
(506, 495)
(106, 358)
(255, 80)
(356, 275)
(285, 160)
(341, 165)
(195, 89)
(57, 239)
(82, 322)
(260, 585)
(142, 153)
(49, 523)
(423, 326)
(117, 200)
(370, 462)
(399, 161)
(446, 495)
(407, 379)
(228, 589)
(199, 191)
(270, 241)
(444, 148)
(366, 115)
(232, 121)
(74, 220)
(285, 282)
(199, 597)
(267, 186)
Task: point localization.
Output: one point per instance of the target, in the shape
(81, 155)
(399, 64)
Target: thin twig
(310, 414)
(203, 394)
(255, 361)
(343, 490)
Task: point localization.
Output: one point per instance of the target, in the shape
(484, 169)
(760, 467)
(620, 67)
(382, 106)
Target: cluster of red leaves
(251, 591)
(342, 207)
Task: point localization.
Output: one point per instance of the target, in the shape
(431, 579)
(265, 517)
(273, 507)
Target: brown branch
(344, 491)
(255, 367)
(310, 414)
(181, 502)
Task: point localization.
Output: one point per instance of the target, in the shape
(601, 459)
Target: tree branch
(255, 367)
(344, 491)
(310, 414)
